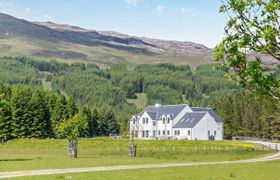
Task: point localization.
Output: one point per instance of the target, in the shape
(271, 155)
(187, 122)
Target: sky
(184, 20)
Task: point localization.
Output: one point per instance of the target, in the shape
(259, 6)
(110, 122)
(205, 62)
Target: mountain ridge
(68, 42)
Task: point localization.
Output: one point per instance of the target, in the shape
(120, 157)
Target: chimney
(157, 104)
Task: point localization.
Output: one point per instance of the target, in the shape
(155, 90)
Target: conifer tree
(5, 120)
(41, 125)
(60, 113)
(22, 116)
(72, 108)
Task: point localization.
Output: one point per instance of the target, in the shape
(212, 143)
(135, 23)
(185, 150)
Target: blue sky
(184, 20)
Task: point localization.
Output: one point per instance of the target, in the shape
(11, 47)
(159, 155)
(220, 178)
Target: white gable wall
(145, 126)
(207, 123)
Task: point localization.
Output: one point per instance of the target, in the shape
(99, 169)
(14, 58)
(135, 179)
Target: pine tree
(5, 120)
(113, 125)
(86, 115)
(72, 108)
(41, 125)
(22, 118)
(93, 123)
(60, 113)
(102, 124)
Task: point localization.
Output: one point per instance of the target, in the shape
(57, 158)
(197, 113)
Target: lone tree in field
(253, 28)
(72, 129)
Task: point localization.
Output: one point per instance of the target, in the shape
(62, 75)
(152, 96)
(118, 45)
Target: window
(163, 132)
(215, 133)
(133, 121)
(143, 121)
(163, 120)
(189, 132)
(158, 132)
(177, 132)
(168, 132)
(147, 134)
(168, 120)
(143, 133)
(147, 120)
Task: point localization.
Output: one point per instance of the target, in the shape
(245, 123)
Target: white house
(176, 122)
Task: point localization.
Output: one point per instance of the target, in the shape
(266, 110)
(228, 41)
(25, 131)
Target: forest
(99, 96)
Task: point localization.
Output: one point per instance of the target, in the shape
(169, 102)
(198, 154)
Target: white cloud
(132, 2)
(160, 8)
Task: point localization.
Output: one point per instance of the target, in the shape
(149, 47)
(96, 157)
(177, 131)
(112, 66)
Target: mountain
(48, 40)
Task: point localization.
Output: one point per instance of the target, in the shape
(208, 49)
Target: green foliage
(253, 28)
(247, 114)
(166, 95)
(5, 120)
(22, 112)
(104, 92)
(41, 123)
(15, 72)
(72, 128)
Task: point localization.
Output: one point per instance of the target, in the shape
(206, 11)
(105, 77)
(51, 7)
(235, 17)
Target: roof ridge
(202, 107)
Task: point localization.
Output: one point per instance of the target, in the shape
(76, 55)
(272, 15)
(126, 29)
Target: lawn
(255, 171)
(49, 154)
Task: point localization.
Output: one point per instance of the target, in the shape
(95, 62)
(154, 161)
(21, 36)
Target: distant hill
(72, 43)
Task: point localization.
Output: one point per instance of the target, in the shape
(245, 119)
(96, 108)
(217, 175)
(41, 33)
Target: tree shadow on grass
(11, 160)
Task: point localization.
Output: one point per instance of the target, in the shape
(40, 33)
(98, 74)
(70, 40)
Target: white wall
(207, 123)
(183, 133)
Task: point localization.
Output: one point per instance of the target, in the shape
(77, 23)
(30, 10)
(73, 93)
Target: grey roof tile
(210, 111)
(189, 120)
(172, 110)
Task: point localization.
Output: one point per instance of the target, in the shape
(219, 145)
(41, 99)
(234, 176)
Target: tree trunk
(73, 148)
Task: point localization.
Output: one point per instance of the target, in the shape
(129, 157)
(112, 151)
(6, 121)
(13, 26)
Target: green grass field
(141, 100)
(49, 154)
(254, 171)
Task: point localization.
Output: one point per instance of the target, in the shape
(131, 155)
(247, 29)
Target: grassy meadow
(50, 154)
(256, 171)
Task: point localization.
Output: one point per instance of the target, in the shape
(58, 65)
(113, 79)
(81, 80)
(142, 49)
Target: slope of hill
(72, 43)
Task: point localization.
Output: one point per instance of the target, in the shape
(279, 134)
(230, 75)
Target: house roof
(210, 111)
(153, 115)
(189, 120)
(157, 112)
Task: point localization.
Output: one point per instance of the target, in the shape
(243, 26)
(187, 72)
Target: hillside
(71, 43)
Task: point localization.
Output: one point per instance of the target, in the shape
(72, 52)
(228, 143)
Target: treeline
(247, 114)
(106, 91)
(35, 113)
